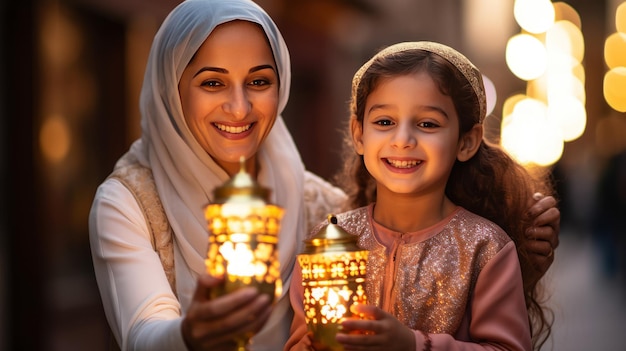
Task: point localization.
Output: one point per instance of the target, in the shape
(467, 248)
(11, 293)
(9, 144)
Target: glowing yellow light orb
(538, 88)
(534, 16)
(615, 50)
(565, 84)
(530, 107)
(569, 115)
(564, 12)
(509, 105)
(517, 135)
(531, 138)
(550, 146)
(579, 72)
(526, 56)
(620, 18)
(566, 38)
(615, 88)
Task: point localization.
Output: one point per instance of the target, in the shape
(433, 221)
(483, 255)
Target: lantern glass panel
(333, 283)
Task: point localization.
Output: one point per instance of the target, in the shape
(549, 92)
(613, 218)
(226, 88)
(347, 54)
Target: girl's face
(229, 93)
(410, 135)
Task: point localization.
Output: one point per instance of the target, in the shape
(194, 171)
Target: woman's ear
(356, 129)
(470, 142)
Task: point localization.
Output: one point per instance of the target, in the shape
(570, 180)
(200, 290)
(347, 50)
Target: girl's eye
(383, 122)
(428, 125)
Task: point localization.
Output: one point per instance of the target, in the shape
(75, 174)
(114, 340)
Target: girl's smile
(402, 165)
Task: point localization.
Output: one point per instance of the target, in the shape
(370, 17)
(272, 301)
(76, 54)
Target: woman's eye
(211, 83)
(259, 82)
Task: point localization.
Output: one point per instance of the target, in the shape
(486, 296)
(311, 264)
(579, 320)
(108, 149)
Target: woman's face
(229, 93)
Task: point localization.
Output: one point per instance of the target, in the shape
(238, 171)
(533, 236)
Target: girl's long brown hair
(490, 184)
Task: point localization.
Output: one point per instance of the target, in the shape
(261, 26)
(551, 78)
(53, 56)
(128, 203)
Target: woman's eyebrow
(261, 67)
(225, 71)
(212, 69)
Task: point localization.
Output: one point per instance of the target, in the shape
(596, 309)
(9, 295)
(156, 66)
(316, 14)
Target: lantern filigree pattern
(333, 277)
(243, 243)
(243, 239)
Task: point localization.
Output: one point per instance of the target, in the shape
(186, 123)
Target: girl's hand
(214, 324)
(544, 233)
(379, 331)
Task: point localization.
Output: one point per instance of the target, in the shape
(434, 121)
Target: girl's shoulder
(477, 228)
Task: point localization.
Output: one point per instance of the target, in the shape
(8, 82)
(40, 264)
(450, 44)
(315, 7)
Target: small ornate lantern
(333, 276)
(243, 238)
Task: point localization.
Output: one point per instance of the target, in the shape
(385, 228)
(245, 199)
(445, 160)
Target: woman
(191, 141)
(201, 109)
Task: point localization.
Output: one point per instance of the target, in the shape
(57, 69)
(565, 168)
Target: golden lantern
(333, 277)
(243, 237)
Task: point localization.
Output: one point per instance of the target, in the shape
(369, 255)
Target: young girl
(440, 213)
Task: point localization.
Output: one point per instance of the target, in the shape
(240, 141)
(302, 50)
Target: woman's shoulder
(124, 192)
(320, 199)
(316, 188)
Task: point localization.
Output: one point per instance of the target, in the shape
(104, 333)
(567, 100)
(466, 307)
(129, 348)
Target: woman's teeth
(232, 130)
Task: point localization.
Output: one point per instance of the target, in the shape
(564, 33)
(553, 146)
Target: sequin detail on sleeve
(435, 277)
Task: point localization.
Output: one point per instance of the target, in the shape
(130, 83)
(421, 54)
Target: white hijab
(184, 173)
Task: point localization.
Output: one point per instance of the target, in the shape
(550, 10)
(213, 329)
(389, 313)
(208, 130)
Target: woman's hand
(213, 324)
(544, 232)
(379, 331)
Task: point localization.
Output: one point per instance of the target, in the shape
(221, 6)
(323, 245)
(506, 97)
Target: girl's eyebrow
(225, 71)
(427, 108)
(376, 107)
(437, 109)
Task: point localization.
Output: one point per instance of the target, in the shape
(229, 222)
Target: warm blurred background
(69, 85)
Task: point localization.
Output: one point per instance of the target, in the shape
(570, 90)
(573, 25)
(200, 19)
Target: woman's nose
(238, 103)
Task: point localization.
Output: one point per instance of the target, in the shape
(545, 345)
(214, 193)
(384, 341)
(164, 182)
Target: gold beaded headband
(465, 66)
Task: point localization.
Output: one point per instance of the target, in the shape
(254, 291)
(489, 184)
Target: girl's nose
(404, 137)
(238, 104)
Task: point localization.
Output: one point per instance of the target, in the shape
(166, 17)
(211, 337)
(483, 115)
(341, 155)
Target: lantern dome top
(331, 238)
(240, 185)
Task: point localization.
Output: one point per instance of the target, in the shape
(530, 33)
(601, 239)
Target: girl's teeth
(403, 164)
(233, 130)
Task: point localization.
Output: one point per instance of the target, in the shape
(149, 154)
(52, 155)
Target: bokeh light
(620, 18)
(54, 138)
(565, 12)
(509, 105)
(564, 37)
(615, 88)
(615, 50)
(549, 57)
(563, 84)
(569, 115)
(529, 136)
(526, 56)
(534, 16)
